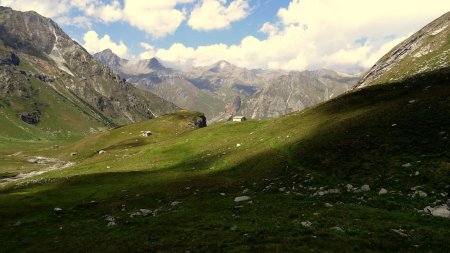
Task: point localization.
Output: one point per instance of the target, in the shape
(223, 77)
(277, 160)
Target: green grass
(281, 164)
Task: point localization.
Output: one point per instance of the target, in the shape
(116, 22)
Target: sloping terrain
(424, 51)
(352, 174)
(50, 87)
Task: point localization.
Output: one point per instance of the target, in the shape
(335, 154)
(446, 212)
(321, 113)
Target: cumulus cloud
(214, 14)
(48, 8)
(341, 34)
(93, 43)
(149, 51)
(157, 18)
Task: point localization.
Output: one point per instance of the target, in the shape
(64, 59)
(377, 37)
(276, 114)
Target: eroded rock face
(32, 118)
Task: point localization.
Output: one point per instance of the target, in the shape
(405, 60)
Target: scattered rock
(338, 229)
(438, 211)
(101, 152)
(146, 133)
(421, 194)
(349, 187)
(238, 145)
(175, 203)
(222, 194)
(111, 221)
(394, 125)
(242, 198)
(73, 154)
(328, 205)
(306, 224)
(18, 223)
(145, 212)
(400, 232)
(282, 189)
(365, 188)
(406, 165)
(57, 209)
(382, 191)
(417, 173)
(411, 101)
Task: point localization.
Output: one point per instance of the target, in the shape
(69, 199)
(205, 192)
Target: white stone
(382, 191)
(242, 198)
(306, 224)
(421, 194)
(57, 209)
(365, 188)
(438, 211)
(175, 203)
(406, 165)
(101, 152)
(238, 145)
(349, 187)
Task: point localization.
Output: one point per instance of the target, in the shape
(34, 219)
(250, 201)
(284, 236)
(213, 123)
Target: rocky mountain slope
(424, 51)
(50, 83)
(210, 89)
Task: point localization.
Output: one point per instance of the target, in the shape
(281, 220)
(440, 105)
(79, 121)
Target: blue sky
(261, 11)
(345, 35)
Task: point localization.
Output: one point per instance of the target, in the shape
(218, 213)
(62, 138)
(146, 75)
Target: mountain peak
(221, 65)
(154, 64)
(108, 57)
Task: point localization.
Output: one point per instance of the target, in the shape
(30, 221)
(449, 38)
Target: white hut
(239, 119)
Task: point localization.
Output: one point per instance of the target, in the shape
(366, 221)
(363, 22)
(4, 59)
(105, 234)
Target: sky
(344, 35)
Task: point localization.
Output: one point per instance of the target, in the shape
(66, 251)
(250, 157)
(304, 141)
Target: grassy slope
(350, 139)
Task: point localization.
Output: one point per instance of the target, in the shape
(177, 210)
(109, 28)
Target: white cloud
(48, 8)
(158, 18)
(214, 14)
(93, 43)
(341, 34)
(149, 51)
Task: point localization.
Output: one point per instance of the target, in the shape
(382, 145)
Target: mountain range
(223, 90)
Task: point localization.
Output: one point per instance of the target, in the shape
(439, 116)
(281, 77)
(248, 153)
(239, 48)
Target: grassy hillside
(175, 191)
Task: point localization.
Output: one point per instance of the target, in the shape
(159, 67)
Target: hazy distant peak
(221, 66)
(154, 64)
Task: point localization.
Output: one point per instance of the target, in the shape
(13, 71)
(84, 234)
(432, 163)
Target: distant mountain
(216, 89)
(424, 51)
(50, 81)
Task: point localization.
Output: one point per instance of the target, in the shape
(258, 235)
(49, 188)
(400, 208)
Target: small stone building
(239, 119)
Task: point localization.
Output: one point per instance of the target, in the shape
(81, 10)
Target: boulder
(32, 118)
(382, 191)
(200, 121)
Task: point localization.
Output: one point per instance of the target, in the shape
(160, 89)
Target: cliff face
(424, 51)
